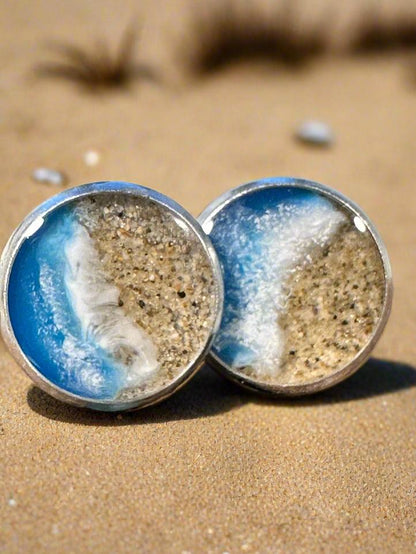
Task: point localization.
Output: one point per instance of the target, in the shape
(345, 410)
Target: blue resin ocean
(297, 268)
(43, 317)
(112, 297)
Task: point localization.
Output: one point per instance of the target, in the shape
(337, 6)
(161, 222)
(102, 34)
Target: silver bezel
(206, 220)
(13, 246)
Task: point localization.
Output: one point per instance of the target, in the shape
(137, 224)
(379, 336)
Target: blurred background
(192, 98)
(207, 95)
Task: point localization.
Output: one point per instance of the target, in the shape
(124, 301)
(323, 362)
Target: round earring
(111, 295)
(308, 285)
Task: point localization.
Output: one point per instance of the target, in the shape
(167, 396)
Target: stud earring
(308, 285)
(111, 295)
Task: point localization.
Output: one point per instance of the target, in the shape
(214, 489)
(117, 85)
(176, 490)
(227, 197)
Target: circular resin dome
(307, 285)
(111, 295)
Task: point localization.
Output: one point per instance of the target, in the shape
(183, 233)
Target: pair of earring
(113, 295)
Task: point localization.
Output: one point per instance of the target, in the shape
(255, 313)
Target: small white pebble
(315, 132)
(91, 157)
(12, 502)
(49, 176)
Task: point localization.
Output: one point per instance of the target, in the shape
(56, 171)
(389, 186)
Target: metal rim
(6, 263)
(206, 219)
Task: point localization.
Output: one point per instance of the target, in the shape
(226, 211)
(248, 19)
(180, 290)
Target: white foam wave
(76, 358)
(95, 303)
(265, 251)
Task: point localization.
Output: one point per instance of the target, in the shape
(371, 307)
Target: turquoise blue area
(239, 239)
(43, 320)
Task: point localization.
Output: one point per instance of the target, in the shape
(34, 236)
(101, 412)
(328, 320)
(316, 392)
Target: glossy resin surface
(304, 283)
(111, 297)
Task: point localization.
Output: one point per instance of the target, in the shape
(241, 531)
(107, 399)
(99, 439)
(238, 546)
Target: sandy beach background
(213, 469)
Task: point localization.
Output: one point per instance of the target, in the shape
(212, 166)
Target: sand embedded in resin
(164, 276)
(304, 285)
(112, 296)
(333, 308)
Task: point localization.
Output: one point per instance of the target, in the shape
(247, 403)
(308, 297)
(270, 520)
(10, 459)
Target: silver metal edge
(6, 263)
(223, 200)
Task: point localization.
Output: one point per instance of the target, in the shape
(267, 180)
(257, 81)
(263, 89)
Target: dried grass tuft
(377, 35)
(97, 69)
(223, 35)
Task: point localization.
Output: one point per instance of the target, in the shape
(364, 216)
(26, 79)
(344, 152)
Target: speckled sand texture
(163, 274)
(213, 469)
(333, 308)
